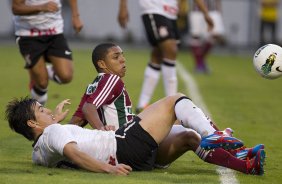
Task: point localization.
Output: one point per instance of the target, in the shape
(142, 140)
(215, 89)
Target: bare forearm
(74, 8)
(84, 161)
(202, 6)
(91, 115)
(22, 9)
(122, 4)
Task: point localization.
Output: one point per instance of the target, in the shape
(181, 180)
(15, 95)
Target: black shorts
(135, 146)
(32, 48)
(159, 28)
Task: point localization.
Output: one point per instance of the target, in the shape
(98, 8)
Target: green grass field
(234, 94)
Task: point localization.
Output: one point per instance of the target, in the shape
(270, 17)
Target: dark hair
(18, 112)
(100, 52)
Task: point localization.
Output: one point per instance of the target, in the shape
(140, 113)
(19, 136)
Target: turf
(234, 93)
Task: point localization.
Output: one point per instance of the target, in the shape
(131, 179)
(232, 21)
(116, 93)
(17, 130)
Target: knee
(177, 96)
(171, 52)
(43, 84)
(172, 99)
(66, 77)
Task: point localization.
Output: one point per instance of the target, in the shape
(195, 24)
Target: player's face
(115, 62)
(44, 116)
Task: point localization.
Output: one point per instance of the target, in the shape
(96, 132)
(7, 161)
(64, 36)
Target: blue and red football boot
(221, 139)
(244, 153)
(255, 165)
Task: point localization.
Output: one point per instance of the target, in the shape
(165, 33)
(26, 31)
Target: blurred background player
(268, 20)
(39, 34)
(182, 18)
(201, 40)
(159, 19)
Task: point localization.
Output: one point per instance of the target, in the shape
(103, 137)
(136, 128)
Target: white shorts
(198, 25)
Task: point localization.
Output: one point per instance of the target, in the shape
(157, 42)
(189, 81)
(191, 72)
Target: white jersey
(48, 149)
(167, 8)
(43, 23)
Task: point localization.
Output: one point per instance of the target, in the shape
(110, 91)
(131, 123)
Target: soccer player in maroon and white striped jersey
(106, 103)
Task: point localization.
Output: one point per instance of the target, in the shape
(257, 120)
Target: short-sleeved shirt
(166, 8)
(48, 148)
(43, 23)
(130, 144)
(108, 93)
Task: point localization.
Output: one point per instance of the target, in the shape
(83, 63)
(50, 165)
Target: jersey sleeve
(58, 137)
(108, 89)
(78, 111)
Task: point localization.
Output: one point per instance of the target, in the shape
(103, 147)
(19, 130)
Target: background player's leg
(39, 81)
(61, 71)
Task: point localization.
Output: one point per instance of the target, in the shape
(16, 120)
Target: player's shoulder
(53, 127)
(107, 77)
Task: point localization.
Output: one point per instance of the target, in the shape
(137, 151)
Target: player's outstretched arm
(123, 16)
(204, 9)
(76, 22)
(20, 8)
(90, 112)
(86, 162)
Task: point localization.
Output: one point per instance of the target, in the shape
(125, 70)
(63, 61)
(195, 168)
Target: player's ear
(31, 123)
(101, 64)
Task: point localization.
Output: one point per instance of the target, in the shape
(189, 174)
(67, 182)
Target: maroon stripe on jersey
(113, 79)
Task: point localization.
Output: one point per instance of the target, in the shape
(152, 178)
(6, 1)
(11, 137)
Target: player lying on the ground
(137, 145)
(106, 104)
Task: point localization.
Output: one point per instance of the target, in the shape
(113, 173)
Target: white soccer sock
(202, 153)
(39, 94)
(151, 78)
(169, 76)
(192, 117)
(52, 76)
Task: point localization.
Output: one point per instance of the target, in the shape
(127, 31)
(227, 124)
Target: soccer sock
(192, 117)
(169, 76)
(207, 47)
(214, 126)
(39, 94)
(223, 158)
(197, 52)
(52, 75)
(151, 78)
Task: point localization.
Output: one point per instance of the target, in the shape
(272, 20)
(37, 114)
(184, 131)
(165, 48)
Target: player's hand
(107, 128)
(209, 21)
(120, 169)
(50, 6)
(110, 127)
(123, 17)
(59, 114)
(77, 23)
